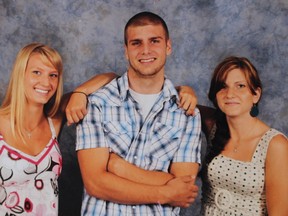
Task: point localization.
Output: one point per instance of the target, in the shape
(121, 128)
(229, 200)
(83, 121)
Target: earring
(254, 110)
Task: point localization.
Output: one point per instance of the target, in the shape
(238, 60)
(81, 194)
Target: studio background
(89, 36)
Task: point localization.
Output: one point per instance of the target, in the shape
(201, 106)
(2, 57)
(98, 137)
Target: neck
(146, 84)
(34, 118)
(241, 128)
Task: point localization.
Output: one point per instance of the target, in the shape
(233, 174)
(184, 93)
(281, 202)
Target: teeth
(147, 60)
(41, 91)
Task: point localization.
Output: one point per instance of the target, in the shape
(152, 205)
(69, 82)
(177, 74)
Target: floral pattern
(28, 184)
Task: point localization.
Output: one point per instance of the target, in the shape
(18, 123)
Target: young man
(138, 152)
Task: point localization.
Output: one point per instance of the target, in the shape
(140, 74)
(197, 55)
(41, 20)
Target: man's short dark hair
(145, 18)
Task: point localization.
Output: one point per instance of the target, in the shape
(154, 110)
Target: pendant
(29, 135)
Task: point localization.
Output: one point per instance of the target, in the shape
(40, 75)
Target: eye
(36, 72)
(54, 75)
(135, 43)
(155, 41)
(240, 86)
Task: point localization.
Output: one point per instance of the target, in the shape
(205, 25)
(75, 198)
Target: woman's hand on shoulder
(76, 108)
(188, 99)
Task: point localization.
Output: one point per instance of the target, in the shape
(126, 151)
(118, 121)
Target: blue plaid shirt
(165, 136)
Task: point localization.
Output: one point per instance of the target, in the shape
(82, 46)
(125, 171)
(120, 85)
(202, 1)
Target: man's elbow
(97, 187)
(92, 189)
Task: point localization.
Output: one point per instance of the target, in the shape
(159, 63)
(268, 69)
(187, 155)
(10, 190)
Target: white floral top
(28, 184)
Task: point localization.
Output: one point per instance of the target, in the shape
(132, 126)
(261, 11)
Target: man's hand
(181, 191)
(188, 99)
(76, 108)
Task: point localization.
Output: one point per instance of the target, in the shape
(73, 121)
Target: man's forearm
(124, 169)
(179, 192)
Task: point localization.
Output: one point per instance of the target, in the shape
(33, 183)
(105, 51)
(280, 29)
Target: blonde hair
(15, 99)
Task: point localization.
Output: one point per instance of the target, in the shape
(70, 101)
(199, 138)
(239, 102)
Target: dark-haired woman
(246, 167)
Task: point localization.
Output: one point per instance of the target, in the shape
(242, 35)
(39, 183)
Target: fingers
(184, 191)
(195, 191)
(188, 179)
(190, 109)
(188, 99)
(75, 115)
(188, 103)
(188, 203)
(76, 108)
(184, 204)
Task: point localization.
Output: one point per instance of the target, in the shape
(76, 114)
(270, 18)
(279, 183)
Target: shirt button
(133, 207)
(135, 157)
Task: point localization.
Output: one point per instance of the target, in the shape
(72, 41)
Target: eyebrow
(237, 82)
(241, 81)
(37, 68)
(157, 37)
(152, 38)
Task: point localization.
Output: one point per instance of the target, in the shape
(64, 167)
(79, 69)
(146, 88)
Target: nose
(229, 92)
(146, 48)
(45, 80)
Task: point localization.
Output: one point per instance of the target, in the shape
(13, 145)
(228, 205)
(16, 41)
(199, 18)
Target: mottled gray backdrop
(89, 36)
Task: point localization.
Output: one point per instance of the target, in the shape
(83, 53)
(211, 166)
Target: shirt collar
(168, 90)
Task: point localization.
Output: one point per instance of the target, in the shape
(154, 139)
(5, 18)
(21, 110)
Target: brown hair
(222, 70)
(222, 134)
(145, 18)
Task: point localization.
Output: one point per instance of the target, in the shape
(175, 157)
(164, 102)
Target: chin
(230, 113)
(43, 101)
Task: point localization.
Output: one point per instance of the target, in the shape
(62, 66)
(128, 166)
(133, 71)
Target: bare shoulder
(3, 117)
(1, 120)
(57, 123)
(278, 145)
(4, 123)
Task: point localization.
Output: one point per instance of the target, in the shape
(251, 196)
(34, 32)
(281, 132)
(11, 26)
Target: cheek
(248, 98)
(218, 97)
(29, 83)
(135, 54)
(28, 80)
(219, 100)
(130, 52)
(55, 84)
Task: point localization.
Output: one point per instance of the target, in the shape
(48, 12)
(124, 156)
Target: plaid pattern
(166, 135)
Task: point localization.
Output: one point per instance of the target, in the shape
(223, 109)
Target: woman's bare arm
(75, 103)
(276, 177)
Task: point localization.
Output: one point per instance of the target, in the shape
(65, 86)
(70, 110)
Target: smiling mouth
(42, 91)
(147, 60)
(231, 104)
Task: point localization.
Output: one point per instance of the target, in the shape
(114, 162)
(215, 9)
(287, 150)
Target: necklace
(235, 149)
(29, 133)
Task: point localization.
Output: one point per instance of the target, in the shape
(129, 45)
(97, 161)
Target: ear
(126, 52)
(257, 96)
(168, 47)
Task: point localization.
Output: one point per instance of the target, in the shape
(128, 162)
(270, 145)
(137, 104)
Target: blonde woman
(30, 121)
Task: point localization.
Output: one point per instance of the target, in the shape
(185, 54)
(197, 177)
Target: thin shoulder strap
(52, 127)
(262, 147)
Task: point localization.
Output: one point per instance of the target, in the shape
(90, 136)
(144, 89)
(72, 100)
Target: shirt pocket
(164, 143)
(118, 136)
